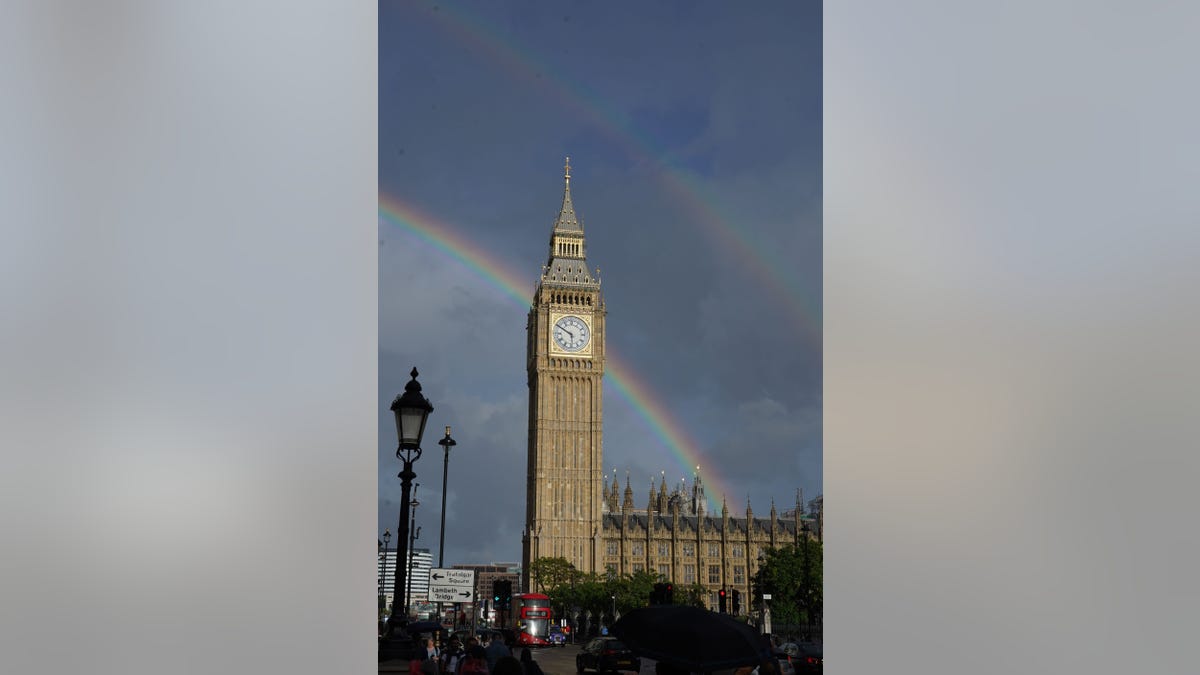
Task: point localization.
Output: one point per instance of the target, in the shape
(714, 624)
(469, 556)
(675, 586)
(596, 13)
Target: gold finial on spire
(567, 168)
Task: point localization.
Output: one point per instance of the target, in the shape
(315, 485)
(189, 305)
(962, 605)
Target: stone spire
(567, 221)
(628, 503)
(650, 501)
(612, 495)
(662, 494)
(773, 514)
(567, 263)
(699, 501)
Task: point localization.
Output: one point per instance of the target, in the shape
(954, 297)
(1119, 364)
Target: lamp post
(387, 537)
(411, 410)
(446, 444)
(414, 533)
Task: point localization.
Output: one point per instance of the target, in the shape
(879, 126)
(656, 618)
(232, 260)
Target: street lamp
(446, 444)
(411, 410)
(387, 537)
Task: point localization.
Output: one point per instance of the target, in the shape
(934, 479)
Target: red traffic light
(722, 592)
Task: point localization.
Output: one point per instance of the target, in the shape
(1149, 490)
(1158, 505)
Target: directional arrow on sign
(451, 585)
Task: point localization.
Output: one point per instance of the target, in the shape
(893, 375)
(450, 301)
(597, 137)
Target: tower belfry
(565, 490)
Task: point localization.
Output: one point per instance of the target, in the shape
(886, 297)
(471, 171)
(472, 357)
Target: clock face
(571, 333)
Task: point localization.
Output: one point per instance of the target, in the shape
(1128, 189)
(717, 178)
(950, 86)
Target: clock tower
(565, 365)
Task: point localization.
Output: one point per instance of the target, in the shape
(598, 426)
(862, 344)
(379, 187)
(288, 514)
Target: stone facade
(565, 365)
(571, 510)
(675, 538)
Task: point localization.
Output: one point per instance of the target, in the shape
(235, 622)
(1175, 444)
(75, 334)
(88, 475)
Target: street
(555, 660)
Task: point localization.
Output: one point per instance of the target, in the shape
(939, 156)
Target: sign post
(451, 585)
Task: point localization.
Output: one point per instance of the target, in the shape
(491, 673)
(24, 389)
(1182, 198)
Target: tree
(795, 586)
(695, 595)
(551, 573)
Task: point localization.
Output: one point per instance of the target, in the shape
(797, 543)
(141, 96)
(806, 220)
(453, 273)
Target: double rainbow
(445, 239)
(761, 258)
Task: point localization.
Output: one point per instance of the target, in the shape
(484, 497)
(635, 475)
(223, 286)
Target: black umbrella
(423, 627)
(691, 637)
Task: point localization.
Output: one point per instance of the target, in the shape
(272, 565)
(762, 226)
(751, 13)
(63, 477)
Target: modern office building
(417, 583)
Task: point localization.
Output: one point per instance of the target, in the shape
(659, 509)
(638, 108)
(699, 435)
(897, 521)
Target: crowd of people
(473, 658)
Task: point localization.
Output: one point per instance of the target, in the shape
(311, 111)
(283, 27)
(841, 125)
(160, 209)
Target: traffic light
(497, 591)
(506, 592)
(737, 600)
(669, 594)
(721, 594)
(658, 594)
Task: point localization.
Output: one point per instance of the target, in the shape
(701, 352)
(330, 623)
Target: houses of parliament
(573, 510)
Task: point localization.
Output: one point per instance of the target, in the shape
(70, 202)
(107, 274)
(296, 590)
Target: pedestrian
(530, 666)
(429, 666)
(431, 650)
(452, 655)
(508, 665)
(474, 663)
(497, 650)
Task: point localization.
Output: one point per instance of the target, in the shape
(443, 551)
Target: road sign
(450, 585)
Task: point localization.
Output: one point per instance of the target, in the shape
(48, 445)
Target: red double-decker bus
(530, 619)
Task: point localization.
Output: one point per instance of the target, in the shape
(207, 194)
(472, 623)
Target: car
(805, 657)
(606, 655)
(556, 636)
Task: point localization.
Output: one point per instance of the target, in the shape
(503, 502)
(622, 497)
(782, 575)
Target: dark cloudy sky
(694, 131)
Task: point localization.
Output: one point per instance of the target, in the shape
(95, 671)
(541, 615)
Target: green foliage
(795, 587)
(551, 573)
(695, 595)
(568, 588)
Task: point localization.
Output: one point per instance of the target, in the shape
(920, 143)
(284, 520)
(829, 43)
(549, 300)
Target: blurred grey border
(1011, 324)
(189, 264)
(188, 356)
